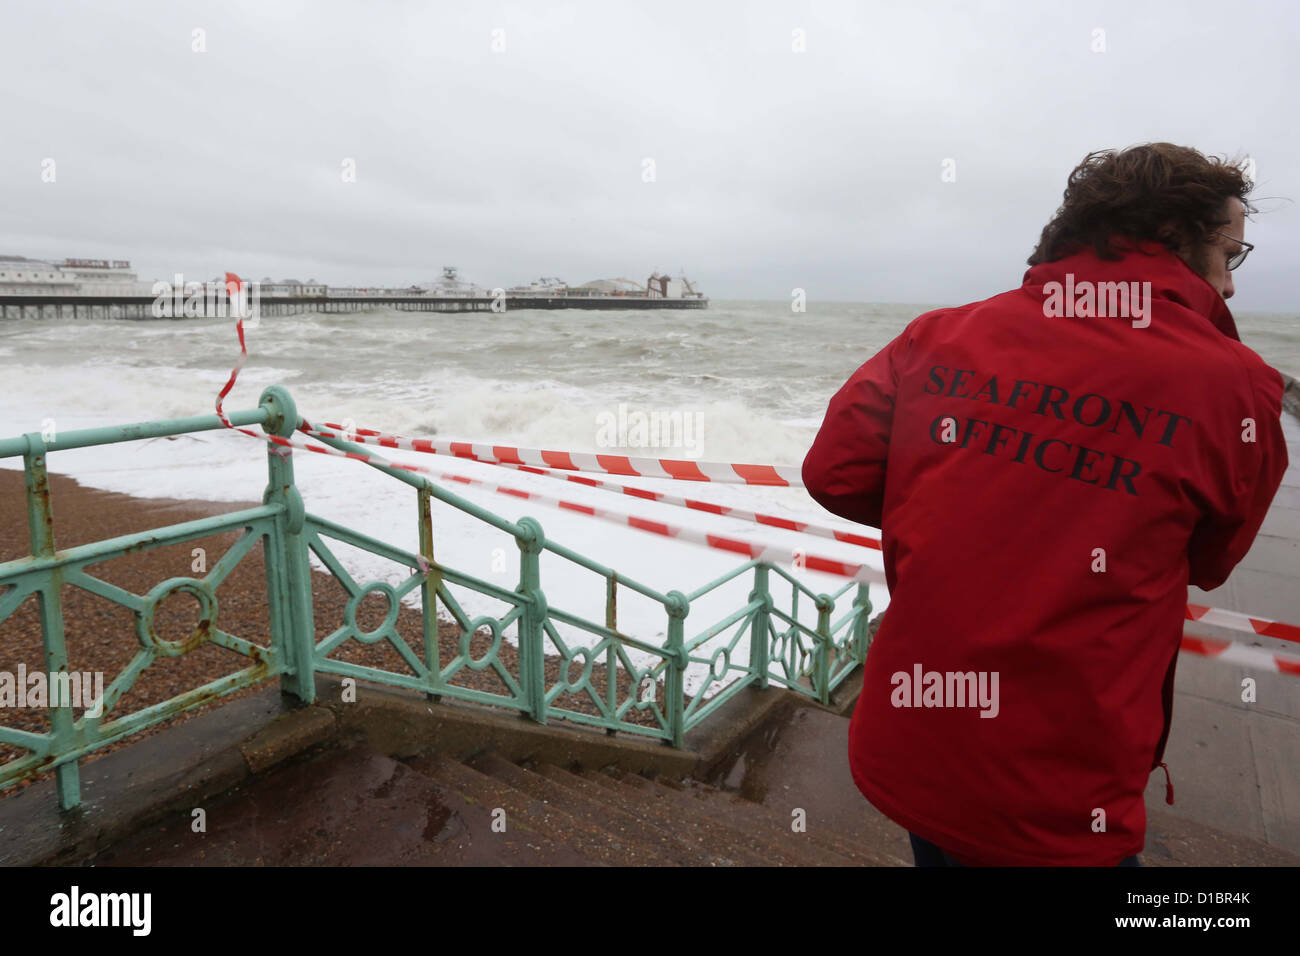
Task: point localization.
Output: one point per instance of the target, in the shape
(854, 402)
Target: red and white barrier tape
(708, 507)
(1234, 652)
(233, 285)
(715, 471)
(770, 553)
(774, 521)
(773, 554)
(1238, 621)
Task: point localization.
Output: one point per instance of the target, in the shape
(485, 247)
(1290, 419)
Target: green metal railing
(781, 649)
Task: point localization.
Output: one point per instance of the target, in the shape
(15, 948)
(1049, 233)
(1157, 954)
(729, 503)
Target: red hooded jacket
(1048, 477)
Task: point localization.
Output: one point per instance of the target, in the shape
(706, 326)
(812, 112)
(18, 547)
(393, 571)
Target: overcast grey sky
(773, 169)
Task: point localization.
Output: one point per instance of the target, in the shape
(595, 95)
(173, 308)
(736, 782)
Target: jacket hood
(1171, 279)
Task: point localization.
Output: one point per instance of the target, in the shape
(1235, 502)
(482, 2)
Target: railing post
(532, 663)
(822, 652)
(675, 695)
(611, 656)
(429, 592)
(288, 574)
(862, 602)
(40, 526)
(758, 642)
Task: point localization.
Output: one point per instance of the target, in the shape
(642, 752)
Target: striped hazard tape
(790, 476)
(708, 507)
(1234, 652)
(1243, 622)
(774, 554)
(233, 286)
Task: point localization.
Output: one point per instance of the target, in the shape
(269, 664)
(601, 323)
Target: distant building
(22, 276)
(546, 285)
(105, 277)
(451, 285)
(665, 287)
(340, 292)
(612, 287)
(290, 287)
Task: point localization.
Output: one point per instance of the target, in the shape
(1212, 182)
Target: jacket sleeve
(844, 470)
(1225, 533)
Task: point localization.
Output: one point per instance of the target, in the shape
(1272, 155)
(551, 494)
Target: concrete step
(524, 810)
(801, 761)
(808, 849)
(865, 840)
(614, 819)
(704, 842)
(850, 841)
(752, 820)
(347, 807)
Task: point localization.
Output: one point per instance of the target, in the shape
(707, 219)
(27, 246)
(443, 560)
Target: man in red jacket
(1050, 468)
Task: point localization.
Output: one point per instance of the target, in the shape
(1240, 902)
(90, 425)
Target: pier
(141, 307)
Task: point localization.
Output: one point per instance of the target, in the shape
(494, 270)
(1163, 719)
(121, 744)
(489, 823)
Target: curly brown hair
(1155, 191)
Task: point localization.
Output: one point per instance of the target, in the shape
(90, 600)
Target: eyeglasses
(1240, 257)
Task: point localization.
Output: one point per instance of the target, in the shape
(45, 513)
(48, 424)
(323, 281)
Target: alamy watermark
(923, 688)
(636, 428)
(55, 689)
(75, 908)
(179, 299)
(1100, 300)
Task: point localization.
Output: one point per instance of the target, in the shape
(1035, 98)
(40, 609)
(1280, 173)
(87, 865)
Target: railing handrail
(112, 434)
(160, 537)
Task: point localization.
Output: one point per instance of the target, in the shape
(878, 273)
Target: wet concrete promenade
(1236, 765)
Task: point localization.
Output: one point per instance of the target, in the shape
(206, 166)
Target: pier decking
(142, 307)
